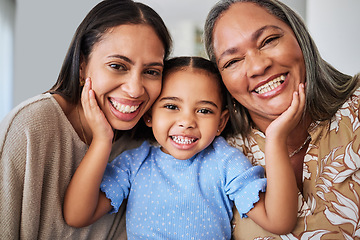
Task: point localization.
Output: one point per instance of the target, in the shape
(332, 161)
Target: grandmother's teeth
(270, 85)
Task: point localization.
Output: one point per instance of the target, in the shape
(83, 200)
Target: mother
(263, 51)
(121, 47)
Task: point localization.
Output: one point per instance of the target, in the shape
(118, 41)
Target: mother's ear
(82, 75)
(148, 119)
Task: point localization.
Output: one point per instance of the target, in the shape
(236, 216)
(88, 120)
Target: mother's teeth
(124, 108)
(270, 85)
(183, 140)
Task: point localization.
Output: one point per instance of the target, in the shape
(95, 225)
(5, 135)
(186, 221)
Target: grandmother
(263, 51)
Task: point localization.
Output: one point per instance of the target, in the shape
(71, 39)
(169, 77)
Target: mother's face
(125, 67)
(259, 59)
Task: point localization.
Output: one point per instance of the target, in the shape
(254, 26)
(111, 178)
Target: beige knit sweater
(39, 152)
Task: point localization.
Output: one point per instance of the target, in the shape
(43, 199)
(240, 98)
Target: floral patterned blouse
(329, 207)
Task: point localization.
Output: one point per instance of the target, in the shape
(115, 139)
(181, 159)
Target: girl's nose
(186, 121)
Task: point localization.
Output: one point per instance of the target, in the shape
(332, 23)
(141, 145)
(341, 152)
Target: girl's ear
(223, 121)
(147, 119)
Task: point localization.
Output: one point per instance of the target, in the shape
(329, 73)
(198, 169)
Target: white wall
(335, 27)
(44, 30)
(7, 19)
(43, 33)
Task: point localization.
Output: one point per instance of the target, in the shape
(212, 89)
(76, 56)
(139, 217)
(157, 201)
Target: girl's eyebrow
(206, 102)
(170, 98)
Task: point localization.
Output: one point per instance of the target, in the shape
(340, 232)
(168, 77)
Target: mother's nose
(133, 86)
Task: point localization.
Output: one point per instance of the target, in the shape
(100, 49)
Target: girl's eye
(205, 111)
(117, 66)
(171, 106)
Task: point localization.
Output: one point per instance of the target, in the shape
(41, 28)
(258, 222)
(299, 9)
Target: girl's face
(260, 60)
(125, 67)
(188, 113)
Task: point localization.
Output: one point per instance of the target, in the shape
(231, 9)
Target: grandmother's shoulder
(352, 103)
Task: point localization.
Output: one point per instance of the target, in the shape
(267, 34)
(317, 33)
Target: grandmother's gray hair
(326, 88)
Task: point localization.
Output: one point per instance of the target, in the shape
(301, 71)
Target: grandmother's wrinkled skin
(260, 60)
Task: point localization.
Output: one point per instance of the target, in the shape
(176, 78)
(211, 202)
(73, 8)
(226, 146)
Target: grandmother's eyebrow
(261, 30)
(254, 36)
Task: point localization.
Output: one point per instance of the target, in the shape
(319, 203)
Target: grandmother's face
(260, 60)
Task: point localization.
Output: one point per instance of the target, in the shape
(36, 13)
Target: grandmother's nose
(256, 63)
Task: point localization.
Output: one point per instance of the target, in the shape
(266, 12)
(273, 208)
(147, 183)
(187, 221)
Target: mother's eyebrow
(126, 59)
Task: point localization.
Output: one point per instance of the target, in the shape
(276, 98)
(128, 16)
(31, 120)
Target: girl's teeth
(124, 108)
(183, 140)
(270, 85)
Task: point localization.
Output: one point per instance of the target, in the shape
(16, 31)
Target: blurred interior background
(35, 35)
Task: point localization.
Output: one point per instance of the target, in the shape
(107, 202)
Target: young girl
(186, 187)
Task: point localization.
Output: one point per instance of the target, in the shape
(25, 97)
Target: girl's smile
(188, 114)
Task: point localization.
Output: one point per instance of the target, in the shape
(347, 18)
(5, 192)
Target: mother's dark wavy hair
(326, 88)
(104, 16)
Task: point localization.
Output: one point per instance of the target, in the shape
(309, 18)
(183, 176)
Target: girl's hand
(99, 125)
(291, 117)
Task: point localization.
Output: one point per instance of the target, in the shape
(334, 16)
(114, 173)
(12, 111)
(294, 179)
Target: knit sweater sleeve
(39, 152)
(23, 138)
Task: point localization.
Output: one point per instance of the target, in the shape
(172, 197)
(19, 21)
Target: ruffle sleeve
(119, 173)
(242, 181)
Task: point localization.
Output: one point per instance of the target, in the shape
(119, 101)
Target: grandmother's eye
(230, 63)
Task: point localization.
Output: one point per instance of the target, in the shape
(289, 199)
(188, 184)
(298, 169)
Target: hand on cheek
(95, 117)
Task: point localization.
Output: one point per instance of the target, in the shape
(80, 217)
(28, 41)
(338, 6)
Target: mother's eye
(117, 66)
(153, 72)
